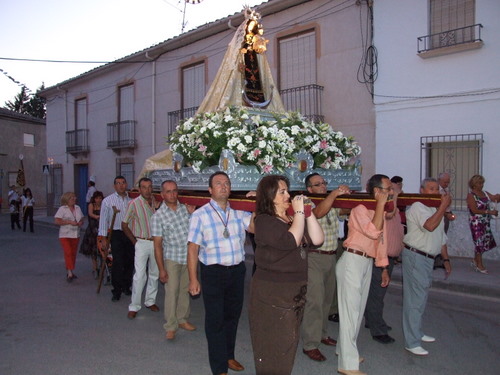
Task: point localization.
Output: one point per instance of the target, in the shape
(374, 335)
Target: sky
(89, 31)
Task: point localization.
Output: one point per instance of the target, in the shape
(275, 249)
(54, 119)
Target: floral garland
(270, 145)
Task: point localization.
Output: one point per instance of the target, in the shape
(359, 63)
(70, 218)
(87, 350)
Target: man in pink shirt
(374, 319)
(363, 244)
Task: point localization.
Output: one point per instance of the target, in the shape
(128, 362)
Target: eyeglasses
(323, 183)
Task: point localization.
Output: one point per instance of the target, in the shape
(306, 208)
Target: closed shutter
(297, 60)
(447, 15)
(193, 85)
(126, 103)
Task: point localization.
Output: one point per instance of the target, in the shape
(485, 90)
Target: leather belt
(323, 252)
(145, 239)
(419, 252)
(357, 252)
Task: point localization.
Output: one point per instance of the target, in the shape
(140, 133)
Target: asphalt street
(48, 326)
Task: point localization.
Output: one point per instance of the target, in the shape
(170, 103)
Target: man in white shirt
(425, 239)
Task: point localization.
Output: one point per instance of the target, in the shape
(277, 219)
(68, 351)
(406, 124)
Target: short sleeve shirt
(207, 227)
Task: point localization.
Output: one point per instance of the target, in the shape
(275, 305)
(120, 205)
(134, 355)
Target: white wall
(464, 77)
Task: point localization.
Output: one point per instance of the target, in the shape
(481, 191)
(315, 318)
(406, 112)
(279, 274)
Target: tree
(36, 105)
(19, 103)
(32, 105)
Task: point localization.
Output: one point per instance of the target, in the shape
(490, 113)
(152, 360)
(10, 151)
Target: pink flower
(323, 144)
(202, 148)
(267, 168)
(256, 152)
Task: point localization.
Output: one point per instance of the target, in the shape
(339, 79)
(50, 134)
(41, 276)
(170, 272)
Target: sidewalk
(463, 278)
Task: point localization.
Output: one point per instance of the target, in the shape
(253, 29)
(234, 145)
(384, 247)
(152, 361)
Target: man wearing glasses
(321, 282)
(364, 243)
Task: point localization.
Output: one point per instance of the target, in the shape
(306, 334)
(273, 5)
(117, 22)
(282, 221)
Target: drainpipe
(153, 104)
(65, 119)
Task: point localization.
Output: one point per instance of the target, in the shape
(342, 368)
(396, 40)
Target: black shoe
(333, 318)
(384, 339)
(127, 292)
(389, 328)
(115, 298)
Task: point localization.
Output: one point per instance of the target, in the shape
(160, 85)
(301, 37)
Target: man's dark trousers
(222, 288)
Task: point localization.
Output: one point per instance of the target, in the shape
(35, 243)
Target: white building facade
(437, 98)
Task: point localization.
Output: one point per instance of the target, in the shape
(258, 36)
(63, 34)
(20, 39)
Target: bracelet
(299, 212)
(446, 260)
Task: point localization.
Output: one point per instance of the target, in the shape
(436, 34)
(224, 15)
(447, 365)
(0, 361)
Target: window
(126, 103)
(56, 184)
(81, 114)
(12, 179)
(29, 140)
(125, 168)
(77, 139)
(297, 75)
(459, 155)
(193, 86)
(297, 60)
(446, 16)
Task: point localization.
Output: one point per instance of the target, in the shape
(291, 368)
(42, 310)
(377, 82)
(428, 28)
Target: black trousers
(222, 288)
(28, 214)
(123, 262)
(14, 219)
(374, 311)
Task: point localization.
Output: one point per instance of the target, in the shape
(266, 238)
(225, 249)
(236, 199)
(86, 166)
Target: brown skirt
(275, 314)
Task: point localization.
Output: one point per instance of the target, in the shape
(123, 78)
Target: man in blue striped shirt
(169, 228)
(121, 247)
(216, 238)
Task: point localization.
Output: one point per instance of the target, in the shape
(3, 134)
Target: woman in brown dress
(278, 288)
(88, 246)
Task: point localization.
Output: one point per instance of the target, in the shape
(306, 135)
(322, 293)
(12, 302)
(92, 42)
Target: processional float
(244, 84)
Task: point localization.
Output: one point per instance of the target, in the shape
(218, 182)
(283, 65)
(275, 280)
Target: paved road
(48, 326)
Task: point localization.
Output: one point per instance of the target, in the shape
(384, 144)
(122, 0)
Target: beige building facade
(23, 137)
(108, 121)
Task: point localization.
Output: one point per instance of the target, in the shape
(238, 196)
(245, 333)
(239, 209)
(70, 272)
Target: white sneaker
(426, 338)
(418, 351)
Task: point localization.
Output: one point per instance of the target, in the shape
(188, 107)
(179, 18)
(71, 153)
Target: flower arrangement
(270, 145)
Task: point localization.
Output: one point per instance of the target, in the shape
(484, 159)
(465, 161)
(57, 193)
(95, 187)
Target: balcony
(305, 99)
(451, 41)
(77, 141)
(121, 134)
(175, 117)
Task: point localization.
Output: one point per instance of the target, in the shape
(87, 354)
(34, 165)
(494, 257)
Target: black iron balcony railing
(305, 99)
(121, 134)
(77, 141)
(468, 34)
(175, 117)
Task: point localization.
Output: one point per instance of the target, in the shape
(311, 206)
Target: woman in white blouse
(27, 203)
(69, 217)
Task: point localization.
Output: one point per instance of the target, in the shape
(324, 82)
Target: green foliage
(32, 105)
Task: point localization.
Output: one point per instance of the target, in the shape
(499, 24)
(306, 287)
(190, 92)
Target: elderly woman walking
(69, 217)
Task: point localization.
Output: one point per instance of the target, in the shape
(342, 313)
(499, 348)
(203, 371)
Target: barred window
(460, 156)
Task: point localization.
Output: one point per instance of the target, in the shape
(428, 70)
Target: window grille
(459, 155)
